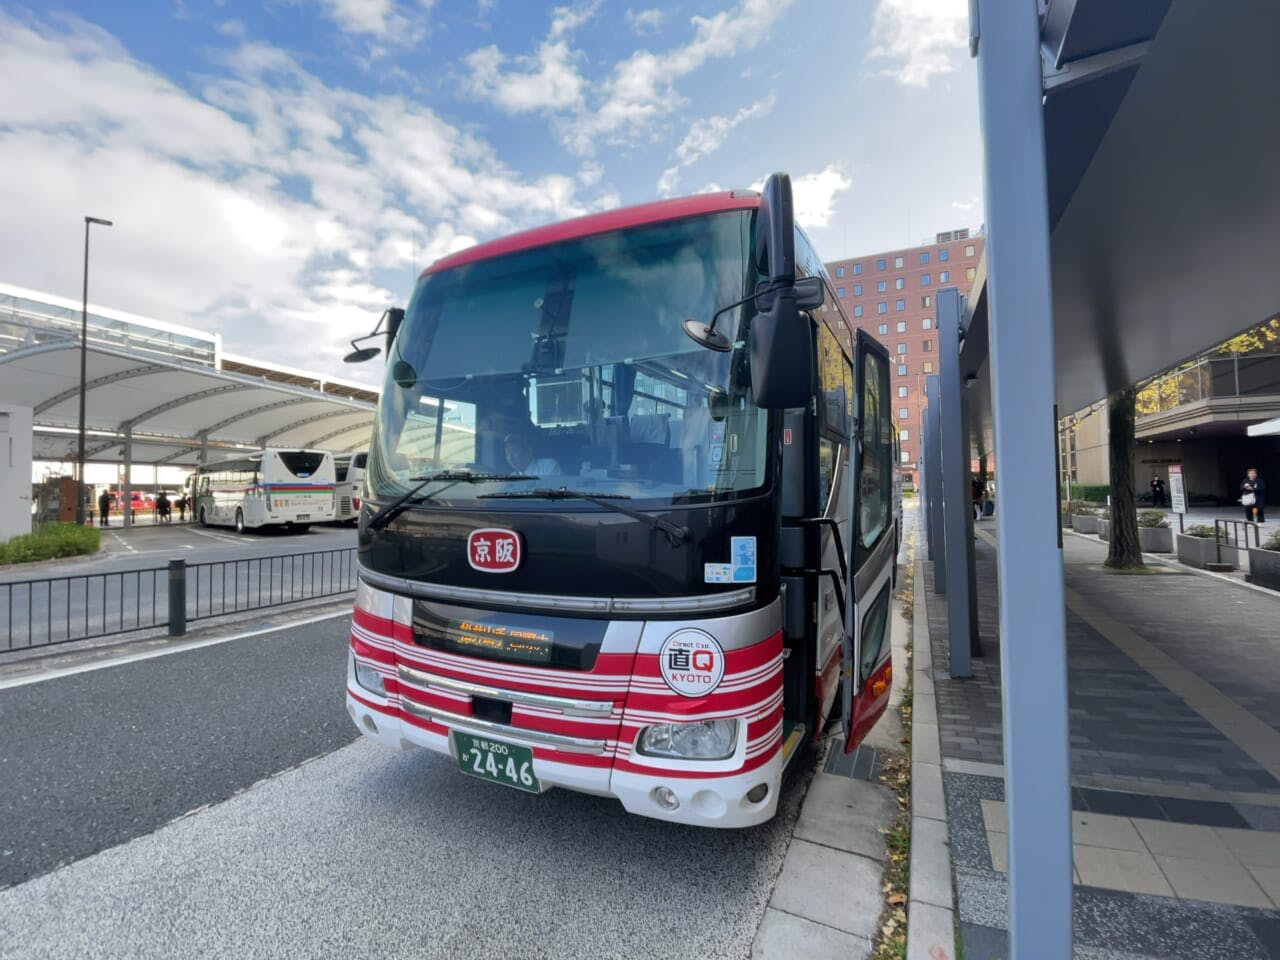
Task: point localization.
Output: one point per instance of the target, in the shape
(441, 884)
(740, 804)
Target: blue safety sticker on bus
(741, 569)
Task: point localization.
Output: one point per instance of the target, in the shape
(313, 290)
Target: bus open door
(867, 667)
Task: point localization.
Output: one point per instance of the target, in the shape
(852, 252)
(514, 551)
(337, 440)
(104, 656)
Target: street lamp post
(84, 353)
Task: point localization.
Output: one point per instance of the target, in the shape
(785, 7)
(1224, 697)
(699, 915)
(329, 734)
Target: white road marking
(180, 647)
(218, 536)
(121, 540)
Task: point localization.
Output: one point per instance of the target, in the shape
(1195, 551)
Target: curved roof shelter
(167, 391)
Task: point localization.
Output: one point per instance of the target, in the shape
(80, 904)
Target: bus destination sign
(499, 640)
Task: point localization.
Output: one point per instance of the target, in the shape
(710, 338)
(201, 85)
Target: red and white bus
(629, 524)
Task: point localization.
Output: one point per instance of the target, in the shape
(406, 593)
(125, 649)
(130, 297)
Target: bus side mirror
(782, 368)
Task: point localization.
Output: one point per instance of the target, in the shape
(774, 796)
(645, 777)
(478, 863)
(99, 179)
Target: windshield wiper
(450, 478)
(675, 533)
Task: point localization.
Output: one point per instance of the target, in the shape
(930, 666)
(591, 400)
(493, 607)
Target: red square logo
(494, 550)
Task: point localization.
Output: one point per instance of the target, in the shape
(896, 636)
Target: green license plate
(494, 760)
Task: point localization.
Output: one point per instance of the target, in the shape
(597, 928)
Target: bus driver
(519, 453)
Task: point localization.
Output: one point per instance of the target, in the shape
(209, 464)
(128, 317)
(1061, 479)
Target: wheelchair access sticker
(742, 565)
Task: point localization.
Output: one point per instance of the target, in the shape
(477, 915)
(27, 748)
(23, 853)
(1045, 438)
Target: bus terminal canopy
(1163, 196)
(168, 394)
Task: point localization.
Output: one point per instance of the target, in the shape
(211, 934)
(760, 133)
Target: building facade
(891, 296)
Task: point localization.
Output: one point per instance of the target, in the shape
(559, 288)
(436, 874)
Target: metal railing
(1235, 533)
(45, 612)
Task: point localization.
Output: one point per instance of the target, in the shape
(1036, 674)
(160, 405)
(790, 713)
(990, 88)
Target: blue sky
(276, 170)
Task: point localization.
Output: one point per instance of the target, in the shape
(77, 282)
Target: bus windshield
(568, 364)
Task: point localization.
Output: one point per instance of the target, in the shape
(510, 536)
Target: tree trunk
(1125, 552)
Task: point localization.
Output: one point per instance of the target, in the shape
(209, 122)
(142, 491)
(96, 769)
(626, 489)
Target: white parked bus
(293, 488)
(348, 487)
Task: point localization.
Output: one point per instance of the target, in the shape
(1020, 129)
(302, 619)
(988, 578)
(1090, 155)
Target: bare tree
(1125, 552)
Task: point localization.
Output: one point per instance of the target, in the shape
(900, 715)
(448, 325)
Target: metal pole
(938, 536)
(84, 353)
(957, 500)
(1006, 37)
(177, 597)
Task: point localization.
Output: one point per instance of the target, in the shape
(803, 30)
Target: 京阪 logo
(494, 550)
(692, 663)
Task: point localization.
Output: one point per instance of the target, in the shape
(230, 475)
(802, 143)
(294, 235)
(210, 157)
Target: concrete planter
(1104, 529)
(1264, 567)
(1156, 539)
(1201, 551)
(1082, 524)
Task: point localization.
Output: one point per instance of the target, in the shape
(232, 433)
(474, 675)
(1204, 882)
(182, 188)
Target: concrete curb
(930, 899)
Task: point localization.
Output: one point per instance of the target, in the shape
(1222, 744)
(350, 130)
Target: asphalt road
(361, 851)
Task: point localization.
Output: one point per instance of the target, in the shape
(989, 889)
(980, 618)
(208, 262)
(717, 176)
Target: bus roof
(604, 222)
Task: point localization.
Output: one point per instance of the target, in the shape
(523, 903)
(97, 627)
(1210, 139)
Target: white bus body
(348, 487)
(292, 488)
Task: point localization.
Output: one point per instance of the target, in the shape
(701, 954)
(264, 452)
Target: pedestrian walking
(181, 504)
(104, 509)
(162, 507)
(976, 493)
(1253, 496)
(1157, 492)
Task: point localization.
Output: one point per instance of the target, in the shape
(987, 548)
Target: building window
(924, 258)
(902, 349)
(904, 434)
(839, 272)
(857, 311)
(857, 269)
(882, 329)
(902, 326)
(926, 302)
(902, 413)
(906, 456)
(882, 307)
(928, 323)
(902, 392)
(944, 254)
(882, 286)
(924, 279)
(879, 264)
(899, 283)
(897, 262)
(969, 249)
(899, 304)
(944, 276)
(902, 369)
(928, 346)
(839, 291)
(857, 289)
(928, 366)
(970, 272)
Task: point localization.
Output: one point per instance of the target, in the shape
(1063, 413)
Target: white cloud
(967, 206)
(645, 21)
(272, 207)
(643, 87)
(922, 38)
(813, 195)
(705, 137)
(547, 80)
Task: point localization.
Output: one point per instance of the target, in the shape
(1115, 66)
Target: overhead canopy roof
(173, 407)
(1164, 202)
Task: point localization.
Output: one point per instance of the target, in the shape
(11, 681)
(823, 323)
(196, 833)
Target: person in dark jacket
(1253, 496)
(1157, 492)
(104, 508)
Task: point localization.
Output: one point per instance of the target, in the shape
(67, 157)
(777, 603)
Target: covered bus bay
(157, 393)
(1133, 220)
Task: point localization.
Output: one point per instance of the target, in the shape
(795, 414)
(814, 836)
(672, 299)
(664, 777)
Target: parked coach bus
(348, 485)
(629, 524)
(291, 488)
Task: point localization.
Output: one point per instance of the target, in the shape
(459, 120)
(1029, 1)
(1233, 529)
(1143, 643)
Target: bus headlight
(699, 740)
(369, 678)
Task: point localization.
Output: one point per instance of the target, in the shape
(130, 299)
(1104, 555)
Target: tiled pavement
(1177, 825)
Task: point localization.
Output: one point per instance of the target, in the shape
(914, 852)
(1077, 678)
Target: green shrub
(1152, 518)
(1096, 492)
(1272, 542)
(1199, 530)
(51, 540)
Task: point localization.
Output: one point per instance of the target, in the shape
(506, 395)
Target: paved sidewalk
(1175, 763)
